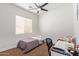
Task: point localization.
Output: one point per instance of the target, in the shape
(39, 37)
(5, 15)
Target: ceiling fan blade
(43, 5)
(44, 9)
(36, 5)
(33, 8)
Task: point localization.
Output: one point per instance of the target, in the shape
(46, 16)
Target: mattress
(27, 44)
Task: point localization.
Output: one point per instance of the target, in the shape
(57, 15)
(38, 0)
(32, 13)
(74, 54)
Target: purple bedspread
(28, 44)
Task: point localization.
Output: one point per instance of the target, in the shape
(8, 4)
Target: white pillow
(70, 45)
(39, 39)
(36, 38)
(61, 44)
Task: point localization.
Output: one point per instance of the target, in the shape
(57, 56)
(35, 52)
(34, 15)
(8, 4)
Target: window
(23, 25)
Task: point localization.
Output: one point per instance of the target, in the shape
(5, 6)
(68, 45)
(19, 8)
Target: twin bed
(62, 46)
(29, 43)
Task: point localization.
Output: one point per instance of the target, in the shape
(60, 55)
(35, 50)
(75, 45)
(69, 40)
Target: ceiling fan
(39, 7)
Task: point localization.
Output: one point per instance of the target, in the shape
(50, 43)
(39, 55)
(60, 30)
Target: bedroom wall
(76, 23)
(8, 37)
(77, 28)
(57, 21)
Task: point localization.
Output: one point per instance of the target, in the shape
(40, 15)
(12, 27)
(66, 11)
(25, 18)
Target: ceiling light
(38, 9)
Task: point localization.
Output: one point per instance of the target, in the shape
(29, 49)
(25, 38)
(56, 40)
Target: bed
(61, 46)
(28, 44)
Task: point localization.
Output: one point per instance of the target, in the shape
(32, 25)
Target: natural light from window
(23, 25)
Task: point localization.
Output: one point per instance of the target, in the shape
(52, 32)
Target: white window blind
(23, 25)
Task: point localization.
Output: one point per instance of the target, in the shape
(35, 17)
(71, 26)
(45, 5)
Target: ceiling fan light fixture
(38, 9)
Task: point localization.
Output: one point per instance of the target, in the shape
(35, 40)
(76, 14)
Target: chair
(49, 44)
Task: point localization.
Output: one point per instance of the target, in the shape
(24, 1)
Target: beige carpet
(39, 51)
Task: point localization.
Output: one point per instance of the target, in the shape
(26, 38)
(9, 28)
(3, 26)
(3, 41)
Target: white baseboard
(6, 47)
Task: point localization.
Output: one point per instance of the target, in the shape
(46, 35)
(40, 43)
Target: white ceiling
(50, 6)
(30, 6)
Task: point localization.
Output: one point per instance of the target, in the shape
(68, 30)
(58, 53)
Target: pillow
(60, 44)
(64, 45)
(39, 38)
(70, 45)
(69, 38)
(66, 39)
(36, 38)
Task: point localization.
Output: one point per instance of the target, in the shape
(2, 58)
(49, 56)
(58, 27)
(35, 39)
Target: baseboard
(6, 47)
